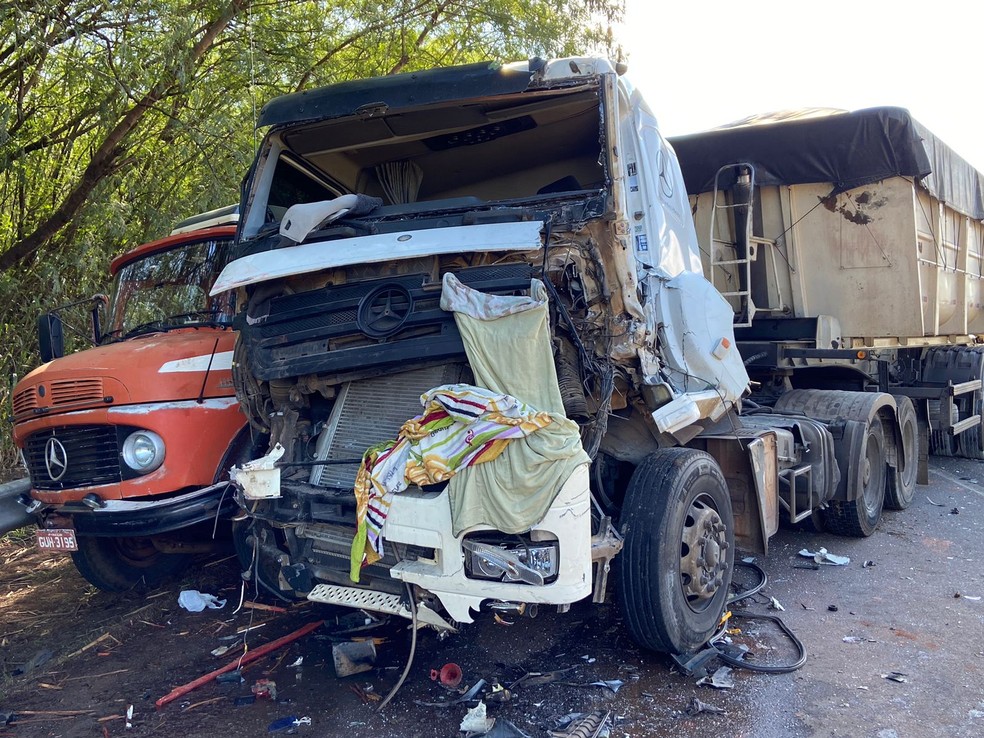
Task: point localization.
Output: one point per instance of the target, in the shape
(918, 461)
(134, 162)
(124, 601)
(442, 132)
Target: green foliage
(118, 119)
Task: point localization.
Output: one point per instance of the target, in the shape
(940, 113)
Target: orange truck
(128, 443)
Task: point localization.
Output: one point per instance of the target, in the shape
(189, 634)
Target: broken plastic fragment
(260, 478)
(774, 604)
(696, 707)
(475, 721)
(825, 557)
(194, 601)
(720, 679)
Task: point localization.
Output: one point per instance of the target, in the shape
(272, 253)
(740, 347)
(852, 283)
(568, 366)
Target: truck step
(965, 424)
(365, 599)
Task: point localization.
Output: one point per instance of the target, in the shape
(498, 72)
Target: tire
(860, 516)
(676, 522)
(122, 564)
(901, 486)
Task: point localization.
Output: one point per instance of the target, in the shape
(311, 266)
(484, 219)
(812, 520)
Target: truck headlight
(532, 563)
(143, 451)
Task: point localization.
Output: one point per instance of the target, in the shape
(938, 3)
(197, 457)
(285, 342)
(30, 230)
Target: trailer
(850, 248)
(475, 324)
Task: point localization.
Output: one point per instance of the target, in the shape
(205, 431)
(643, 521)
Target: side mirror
(99, 303)
(51, 337)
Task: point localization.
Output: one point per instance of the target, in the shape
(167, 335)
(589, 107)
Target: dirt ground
(899, 613)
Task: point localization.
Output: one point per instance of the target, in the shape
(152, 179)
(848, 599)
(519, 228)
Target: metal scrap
(582, 725)
(696, 707)
(469, 696)
(539, 678)
(720, 679)
(823, 556)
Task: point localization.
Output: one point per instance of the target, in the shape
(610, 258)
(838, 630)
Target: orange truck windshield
(169, 289)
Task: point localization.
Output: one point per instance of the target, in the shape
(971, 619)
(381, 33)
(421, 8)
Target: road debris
(696, 707)
(774, 604)
(194, 601)
(582, 724)
(471, 695)
(867, 564)
(449, 675)
(286, 723)
(129, 717)
(504, 729)
(353, 657)
(721, 679)
(932, 502)
(476, 722)
(265, 689)
(823, 556)
(235, 664)
(896, 676)
(539, 678)
(39, 659)
(832, 608)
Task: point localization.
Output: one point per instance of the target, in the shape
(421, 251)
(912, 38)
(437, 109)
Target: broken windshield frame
(166, 290)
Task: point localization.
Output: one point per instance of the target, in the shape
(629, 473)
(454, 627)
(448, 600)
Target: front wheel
(675, 569)
(120, 564)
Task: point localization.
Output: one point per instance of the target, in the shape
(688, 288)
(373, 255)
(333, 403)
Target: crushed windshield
(169, 289)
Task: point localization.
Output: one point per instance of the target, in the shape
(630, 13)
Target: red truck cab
(128, 443)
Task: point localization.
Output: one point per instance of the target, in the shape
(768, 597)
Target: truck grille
(76, 390)
(330, 331)
(25, 400)
(92, 453)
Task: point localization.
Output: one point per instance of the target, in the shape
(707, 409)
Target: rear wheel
(860, 516)
(901, 487)
(120, 564)
(677, 561)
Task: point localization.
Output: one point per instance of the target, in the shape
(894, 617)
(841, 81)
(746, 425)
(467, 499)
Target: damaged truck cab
(128, 443)
(506, 235)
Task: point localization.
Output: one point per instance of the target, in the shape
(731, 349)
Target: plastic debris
(774, 604)
(449, 675)
(264, 689)
(129, 717)
(499, 693)
(353, 657)
(231, 677)
(696, 707)
(194, 601)
(472, 694)
(954, 511)
(896, 676)
(832, 608)
(476, 722)
(932, 502)
(749, 560)
(539, 678)
(297, 664)
(823, 556)
(221, 650)
(577, 724)
(857, 639)
(286, 723)
(867, 564)
(720, 679)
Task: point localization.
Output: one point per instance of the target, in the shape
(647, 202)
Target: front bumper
(121, 518)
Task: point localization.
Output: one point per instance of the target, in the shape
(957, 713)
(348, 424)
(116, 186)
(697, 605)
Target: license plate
(57, 539)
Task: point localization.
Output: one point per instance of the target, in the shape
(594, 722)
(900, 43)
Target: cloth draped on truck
(509, 348)
(461, 426)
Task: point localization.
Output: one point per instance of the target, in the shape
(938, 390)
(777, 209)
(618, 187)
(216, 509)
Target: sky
(703, 63)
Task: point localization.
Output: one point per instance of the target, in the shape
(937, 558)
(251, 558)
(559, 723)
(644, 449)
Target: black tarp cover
(847, 150)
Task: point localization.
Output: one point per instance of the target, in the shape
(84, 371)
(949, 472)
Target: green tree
(119, 118)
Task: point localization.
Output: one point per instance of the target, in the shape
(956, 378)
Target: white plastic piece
(260, 478)
(676, 414)
(476, 721)
(721, 348)
(301, 219)
(194, 601)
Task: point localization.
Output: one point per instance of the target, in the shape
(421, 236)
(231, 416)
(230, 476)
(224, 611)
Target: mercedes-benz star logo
(384, 310)
(55, 459)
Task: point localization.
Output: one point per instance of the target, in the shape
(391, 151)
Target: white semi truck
(851, 247)
(520, 232)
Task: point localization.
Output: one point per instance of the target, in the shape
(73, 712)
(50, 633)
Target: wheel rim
(136, 552)
(872, 475)
(909, 460)
(703, 554)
